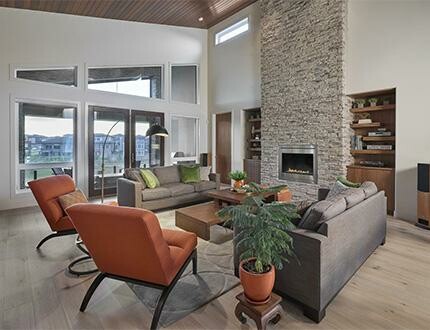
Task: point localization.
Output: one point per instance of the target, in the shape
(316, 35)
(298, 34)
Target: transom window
(59, 76)
(140, 81)
(232, 31)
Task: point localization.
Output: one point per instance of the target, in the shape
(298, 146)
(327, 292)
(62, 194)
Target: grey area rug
(215, 277)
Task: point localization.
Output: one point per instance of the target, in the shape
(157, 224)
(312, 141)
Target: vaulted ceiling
(192, 13)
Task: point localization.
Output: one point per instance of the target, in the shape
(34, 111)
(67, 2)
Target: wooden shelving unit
(252, 161)
(383, 116)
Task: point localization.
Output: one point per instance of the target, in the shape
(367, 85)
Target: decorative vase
(257, 287)
(238, 184)
(285, 196)
(373, 104)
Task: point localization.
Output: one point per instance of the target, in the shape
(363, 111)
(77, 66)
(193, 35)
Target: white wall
(388, 45)
(47, 39)
(234, 75)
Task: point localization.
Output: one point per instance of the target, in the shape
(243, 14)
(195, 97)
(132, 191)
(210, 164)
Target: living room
(188, 120)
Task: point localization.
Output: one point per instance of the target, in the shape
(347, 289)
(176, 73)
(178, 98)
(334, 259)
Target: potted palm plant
(263, 237)
(239, 179)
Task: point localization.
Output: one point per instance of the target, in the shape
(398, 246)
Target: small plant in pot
(373, 101)
(239, 179)
(262, 234)
(360, 103)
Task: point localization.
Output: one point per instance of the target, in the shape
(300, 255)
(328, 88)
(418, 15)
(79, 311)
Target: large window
(184, 83)
(46, 140)
(232, 31)
(184, 138)
(139, 81)
(59, 76)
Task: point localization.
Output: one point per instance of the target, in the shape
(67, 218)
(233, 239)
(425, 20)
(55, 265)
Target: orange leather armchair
(127, 244)
(46, 191)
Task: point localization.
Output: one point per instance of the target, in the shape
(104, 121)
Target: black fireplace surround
(298, 163)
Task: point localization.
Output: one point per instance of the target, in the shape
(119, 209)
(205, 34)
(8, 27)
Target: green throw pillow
(150, 179)
(190, 173)
(347, 183)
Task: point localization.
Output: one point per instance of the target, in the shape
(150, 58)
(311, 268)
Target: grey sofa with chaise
(171, 193)
(328, 257)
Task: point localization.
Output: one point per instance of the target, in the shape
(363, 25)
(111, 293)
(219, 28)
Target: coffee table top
(204, 213)
(232, 197)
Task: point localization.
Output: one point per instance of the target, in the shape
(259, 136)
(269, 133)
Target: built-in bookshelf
(252, 161)
(373, 143)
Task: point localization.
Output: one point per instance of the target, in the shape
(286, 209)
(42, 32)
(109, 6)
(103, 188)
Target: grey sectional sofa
(171, 193)
(328, 257)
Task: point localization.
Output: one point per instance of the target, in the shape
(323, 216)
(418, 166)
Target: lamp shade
(157, 130)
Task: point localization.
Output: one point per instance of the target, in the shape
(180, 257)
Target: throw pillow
(190, 173)
(150, 179)
(347, 183)
(133, 174)
(369, 188)
(321, 212)
(204, 173)
(337, 189)
(72, 198)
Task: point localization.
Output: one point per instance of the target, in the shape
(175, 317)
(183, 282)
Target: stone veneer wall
(302, 73)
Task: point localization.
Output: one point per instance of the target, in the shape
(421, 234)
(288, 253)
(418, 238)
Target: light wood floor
(391, 290)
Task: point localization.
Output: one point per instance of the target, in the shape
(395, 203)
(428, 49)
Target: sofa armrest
(216, 177)
(322, 193)
(129, 193)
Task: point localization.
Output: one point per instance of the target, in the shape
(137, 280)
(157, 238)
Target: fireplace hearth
(298, 163)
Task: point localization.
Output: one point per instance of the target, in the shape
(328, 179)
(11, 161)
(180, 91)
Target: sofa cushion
(150, 179)
(189, 173)
(337, 189)
(353, 196)
(369, 188)
(177, 189)
(204, 185)
(133, 174)
(321, 212)
(156, 193)
(204, 173)
(167, 174)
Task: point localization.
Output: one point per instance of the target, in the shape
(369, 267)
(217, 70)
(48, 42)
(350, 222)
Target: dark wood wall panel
(171, 12)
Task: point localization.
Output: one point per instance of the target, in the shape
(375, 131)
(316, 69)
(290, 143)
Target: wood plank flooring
(390, 291)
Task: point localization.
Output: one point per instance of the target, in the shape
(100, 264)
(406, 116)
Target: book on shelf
(380, 133)
(379, 147)
(364, 121)
(357, 142)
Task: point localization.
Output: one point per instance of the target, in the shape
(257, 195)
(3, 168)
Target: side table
(261, 314)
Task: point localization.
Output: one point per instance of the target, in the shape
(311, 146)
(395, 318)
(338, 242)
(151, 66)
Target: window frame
(87, 68)
(197, 84)
(16, 166)
(230, 28)
(14, 68)
(198, 135)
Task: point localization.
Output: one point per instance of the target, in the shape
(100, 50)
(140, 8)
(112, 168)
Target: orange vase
(238, 184)
(257, 287)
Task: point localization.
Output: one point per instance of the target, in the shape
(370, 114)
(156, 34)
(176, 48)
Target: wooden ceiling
(171, 12)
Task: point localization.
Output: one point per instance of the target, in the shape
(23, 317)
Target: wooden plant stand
(261, 314)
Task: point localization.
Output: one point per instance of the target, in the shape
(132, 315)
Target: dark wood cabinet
(252, 161)
(253, 168)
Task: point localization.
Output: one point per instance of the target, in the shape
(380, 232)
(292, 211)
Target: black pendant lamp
(157, 130)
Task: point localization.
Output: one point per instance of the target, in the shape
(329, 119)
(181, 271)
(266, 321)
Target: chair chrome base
(165, 289)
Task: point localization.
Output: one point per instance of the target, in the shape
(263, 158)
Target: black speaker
(204, 159)
(423, 205)
(424, 177)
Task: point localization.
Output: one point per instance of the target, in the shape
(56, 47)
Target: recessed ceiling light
(200, 19)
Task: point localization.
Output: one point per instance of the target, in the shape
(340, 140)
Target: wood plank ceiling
(171, 12)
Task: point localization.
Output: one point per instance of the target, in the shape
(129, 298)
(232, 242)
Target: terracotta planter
(238, 184)
(285, 196)
(257, 287)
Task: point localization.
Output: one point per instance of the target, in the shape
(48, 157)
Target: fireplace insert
(298, 163)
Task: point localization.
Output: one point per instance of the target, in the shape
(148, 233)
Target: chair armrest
(129, 193)
(216, 177)
(322, 193)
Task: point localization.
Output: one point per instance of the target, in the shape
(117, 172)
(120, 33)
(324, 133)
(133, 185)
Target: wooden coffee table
(229, 197)
(198, 219)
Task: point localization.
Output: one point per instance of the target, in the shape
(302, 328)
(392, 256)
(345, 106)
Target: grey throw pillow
(369, 188)
(204, 173)
(321, 212)
(337, 189)
(133, 174)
